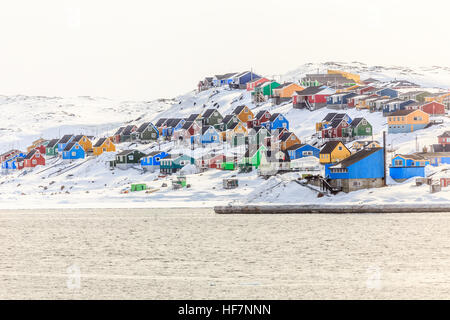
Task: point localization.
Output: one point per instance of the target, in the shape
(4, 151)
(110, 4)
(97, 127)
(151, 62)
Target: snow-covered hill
(90, 183)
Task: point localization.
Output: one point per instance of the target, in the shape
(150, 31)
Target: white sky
(142, 49)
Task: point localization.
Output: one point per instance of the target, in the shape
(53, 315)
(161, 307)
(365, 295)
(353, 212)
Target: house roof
(119, 131)
(31, 154)
(187, 125)
(356, 121)
(227, 118)
(69, 146)
(209, 112)
(296, 146)
(309, 91)
(286, 136)
(233, 125)
(258, 128)
(52, 143)
(358, 156)
(441, 147)
(126, 152)
(238, 109)
(173, 122)
(128, 129)
(330, 146)
(99, 142)
(401, 112)
(413, 156)
(160, 122)
(193, 117)
(284, 85)
(142, 127)
(77, 138)
(260, 114)
(329, 116)
(65, 138)
(225, 76)
(274, 116)
(153, 153)
(205, 128)
(445, 134)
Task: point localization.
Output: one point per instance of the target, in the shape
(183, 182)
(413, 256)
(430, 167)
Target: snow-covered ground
(91, 183)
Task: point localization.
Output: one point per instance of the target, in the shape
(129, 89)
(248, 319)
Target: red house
(311, 97)
(8, 154)
(251, 85)
(41, 149)
(33, 159)
(365, 90)
(334, 129)
(445, 182)
(433, 108)
(444, 138)
(261, 117)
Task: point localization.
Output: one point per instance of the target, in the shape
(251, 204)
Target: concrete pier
(332, 209)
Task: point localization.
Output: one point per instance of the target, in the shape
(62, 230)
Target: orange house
(103, 145)
(287, 140)
(84, 142)
(286, 90)
(244, 113)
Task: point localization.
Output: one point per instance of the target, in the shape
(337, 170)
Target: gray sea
(196, 254)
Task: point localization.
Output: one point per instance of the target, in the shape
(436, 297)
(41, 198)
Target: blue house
(223, 79)
(172, 125)
(209, 135)
(153, 160)
(277, 120)
(361, 170)
(240, 80)
(298, 151)
(11, 163)
(404, 167)
(62, 143)
(387, 92)
(72, 151)
(340, 98)
(394, 105)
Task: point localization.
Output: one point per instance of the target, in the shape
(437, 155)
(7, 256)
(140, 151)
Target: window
(280, 117)
(368, 130)
(307, 153)
(340, 148)
(249, 117)
(74, 154)
(76, 147)
(131, 157)
(357, 183)
(104, 149)
(398, 163)
(33, 161)
(153, 135)
(292, 137)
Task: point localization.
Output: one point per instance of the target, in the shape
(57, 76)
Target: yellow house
(244, 113)
(333, 151)
(351, 76)
(36, 144)
(84, 142)
(103, 145)
(347, 89)
(286, 90)
(443, 98)
(402, 121)
(236, 129)
(358, 145)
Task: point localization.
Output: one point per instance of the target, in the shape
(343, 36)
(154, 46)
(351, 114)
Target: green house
(51, 149)
(147, 132)
(252, 157)
(360, 127)
(211, 117)
(173, 163)
(266, 88)
(129, 157)
(138, 187)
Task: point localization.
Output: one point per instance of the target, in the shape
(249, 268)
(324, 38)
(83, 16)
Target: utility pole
(384, 159)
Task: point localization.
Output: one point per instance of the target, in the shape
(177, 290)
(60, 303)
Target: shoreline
(332, 209)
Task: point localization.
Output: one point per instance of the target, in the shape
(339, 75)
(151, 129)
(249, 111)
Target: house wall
(433, 108)
(288, 91)
(349, 185)
(246, 115)
(403, 173)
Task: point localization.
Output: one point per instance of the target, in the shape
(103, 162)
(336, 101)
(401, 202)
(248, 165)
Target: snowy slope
(90, 182)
